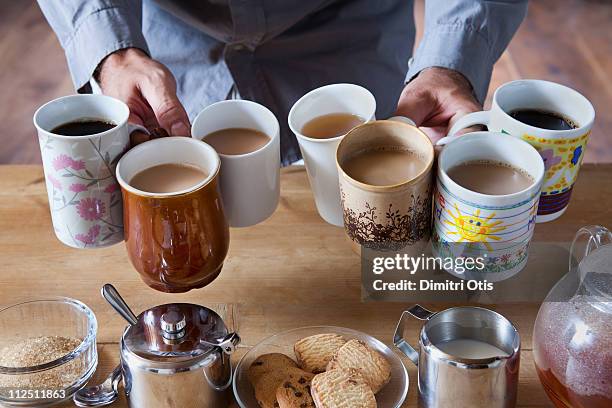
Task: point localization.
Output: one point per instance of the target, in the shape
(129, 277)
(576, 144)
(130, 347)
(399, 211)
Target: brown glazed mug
(391, 217)
(176, 241)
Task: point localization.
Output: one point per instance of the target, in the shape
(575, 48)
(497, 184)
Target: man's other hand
(436, 99)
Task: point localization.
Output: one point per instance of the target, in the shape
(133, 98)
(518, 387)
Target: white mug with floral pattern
(562, 150)
(84, 196)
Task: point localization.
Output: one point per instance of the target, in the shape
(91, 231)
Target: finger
(137, 137)
(434, 133)
(137, 117)
(416, 105)
(168, 109)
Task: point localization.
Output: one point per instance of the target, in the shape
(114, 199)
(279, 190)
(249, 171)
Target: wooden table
(292, 270)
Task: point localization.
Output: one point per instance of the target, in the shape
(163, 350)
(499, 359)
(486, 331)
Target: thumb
(167, 108)
(415, 105)
(136, 117)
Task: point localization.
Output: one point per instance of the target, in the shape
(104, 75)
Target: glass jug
(572, 339)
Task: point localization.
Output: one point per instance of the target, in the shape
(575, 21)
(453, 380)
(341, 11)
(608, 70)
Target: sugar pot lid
(172, 336)
(177, 332)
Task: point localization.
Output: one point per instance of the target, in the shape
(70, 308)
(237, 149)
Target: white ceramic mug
(320, 154)
(562, 150)
(250, 183)
(84, 197)
(495, 227)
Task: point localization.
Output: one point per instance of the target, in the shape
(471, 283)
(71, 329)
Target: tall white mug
(320, 154)
(250, 183)
(84, 196)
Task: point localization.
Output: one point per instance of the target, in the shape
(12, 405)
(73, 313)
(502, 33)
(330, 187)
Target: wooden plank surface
(292, 270)
(560, 40)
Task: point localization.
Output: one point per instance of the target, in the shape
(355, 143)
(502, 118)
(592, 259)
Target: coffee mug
(467, 357)
(390, 217)
(84, 197)
(562, 150)
(176, 241)
(497, 228)
(320, 154)
(250, 183)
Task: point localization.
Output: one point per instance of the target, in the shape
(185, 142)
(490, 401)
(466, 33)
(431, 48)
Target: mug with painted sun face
(486, 202)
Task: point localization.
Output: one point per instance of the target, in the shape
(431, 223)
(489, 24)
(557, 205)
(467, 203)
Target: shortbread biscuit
(266, 363)
(372, 365)
(342, 389)
(266, 386)
(295, 393)
(313, 353)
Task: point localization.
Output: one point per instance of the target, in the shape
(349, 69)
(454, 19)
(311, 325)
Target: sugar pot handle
(415, 311)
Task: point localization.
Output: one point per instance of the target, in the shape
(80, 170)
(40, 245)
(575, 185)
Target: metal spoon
(100, 395)
(113, 297)
(107, 392)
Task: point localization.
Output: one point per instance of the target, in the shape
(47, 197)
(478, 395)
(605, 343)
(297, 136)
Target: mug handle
(402, 119)
(471, 119)
(418, 312)
(133, 127)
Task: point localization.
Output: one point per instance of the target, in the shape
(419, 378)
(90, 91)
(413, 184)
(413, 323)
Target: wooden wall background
(567, 41)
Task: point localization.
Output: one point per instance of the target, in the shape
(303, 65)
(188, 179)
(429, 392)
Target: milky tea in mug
(331, 125)
(236, 141)
(489, 177)
(166, 178)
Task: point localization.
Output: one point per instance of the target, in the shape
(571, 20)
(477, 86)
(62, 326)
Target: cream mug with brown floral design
(84, 197)
(393, 217)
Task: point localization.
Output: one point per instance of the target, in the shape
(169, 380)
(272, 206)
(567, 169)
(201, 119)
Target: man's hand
(149, 90)
(436, 99)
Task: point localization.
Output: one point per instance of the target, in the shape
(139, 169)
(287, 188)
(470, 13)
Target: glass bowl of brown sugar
(47, 351)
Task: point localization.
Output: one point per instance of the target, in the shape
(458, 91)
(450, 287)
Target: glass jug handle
(596, 236)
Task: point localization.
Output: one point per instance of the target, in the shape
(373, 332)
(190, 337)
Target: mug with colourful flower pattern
(84, 196)
(561, 150)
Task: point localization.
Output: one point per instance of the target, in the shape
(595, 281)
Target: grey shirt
(274, 51)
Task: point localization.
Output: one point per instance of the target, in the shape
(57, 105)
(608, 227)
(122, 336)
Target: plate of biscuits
(322, 367)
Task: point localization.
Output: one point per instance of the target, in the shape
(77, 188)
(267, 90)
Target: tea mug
(496, 228)
(84, 197)
(449, 381)
(250, 183)
(320, 154)
(176, 241)
(561, 150)
(387, 218)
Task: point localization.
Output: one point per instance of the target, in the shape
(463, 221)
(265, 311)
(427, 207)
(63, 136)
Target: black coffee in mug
(84, 127)
(543, 119)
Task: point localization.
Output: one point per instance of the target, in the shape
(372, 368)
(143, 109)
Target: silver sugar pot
(468, 357)
(173, 355)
